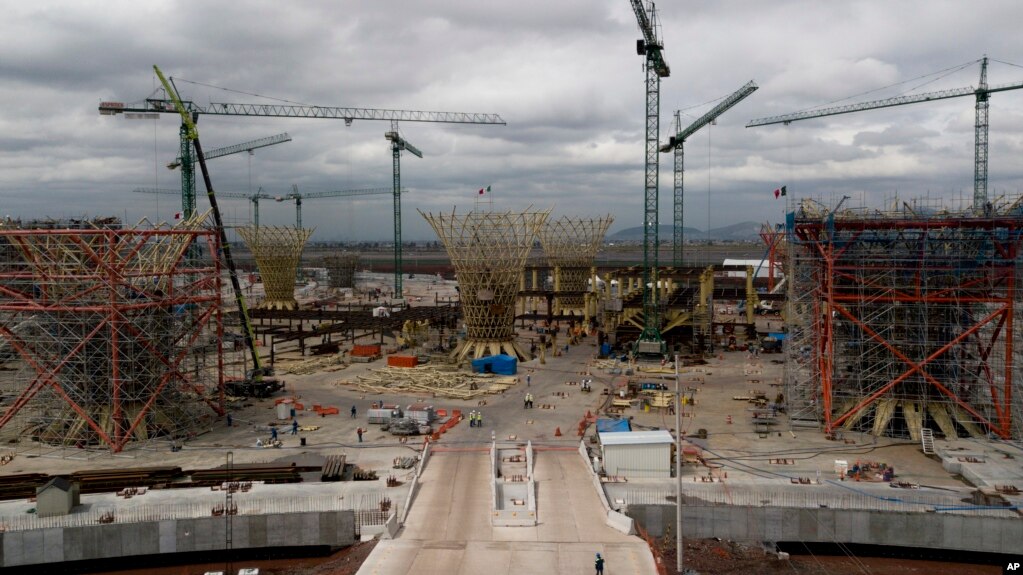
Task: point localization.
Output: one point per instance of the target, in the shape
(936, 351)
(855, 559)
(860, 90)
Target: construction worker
(273, 433)
(529, 400)
(472, 418)
(294, 427)
(529, 379)
(525, 402)
(359, 432)
(353, 412)
(479, 419)
(599, 564)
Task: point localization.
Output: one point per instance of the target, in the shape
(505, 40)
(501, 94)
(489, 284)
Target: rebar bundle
(112, 334)
(488, 251)
(570, 246)
(341, 269)
(905, 320)
(277, 251)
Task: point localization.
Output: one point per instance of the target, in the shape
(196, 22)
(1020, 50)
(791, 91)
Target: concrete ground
(740, 452)
(448, 529)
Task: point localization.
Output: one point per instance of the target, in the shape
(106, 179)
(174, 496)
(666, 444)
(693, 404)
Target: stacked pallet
(365, 353)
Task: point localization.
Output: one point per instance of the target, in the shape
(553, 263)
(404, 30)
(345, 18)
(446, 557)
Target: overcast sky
(563, 74)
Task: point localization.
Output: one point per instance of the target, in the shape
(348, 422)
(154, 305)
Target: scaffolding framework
(341, 269)
(112, 336)
(905, 320)
(570, 246)
(488, 251)
(278, 251)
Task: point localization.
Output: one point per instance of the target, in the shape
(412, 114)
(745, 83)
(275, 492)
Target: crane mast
(650, 340)
(677, 143)
(982, 93)
(397, 145)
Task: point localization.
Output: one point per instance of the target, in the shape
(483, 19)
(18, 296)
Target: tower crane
(298, 197)
(397, 145)
(650, 46)
(677, 142)
(187, 165)
(982, 93)
(254, 198)
(187, 190)
(152, 107)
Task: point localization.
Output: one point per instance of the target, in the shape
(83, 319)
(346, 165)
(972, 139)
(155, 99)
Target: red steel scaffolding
(109, 336)
(903, 321)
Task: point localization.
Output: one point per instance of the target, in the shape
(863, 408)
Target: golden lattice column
(488, 251)
(570, 246)
(277, 251)
(341, 269)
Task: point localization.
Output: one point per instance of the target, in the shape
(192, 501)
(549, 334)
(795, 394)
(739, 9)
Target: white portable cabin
(637, 453)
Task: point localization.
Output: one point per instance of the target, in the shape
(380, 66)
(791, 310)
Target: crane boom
(161, 105)
(677, 143)
(884, 103)
(727, 104)
(249, 146)
(982, 93)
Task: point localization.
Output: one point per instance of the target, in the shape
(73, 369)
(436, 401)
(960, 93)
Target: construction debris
(313, 365)
(436, 381)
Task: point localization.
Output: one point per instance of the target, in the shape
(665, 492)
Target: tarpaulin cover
(610, 425)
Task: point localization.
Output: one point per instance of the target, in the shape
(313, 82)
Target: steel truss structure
(488, 251)
(570, 246)
(905, 320)
(341, 269)
(112, 335)
(277, 250)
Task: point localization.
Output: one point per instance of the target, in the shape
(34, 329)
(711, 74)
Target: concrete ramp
(449, 530)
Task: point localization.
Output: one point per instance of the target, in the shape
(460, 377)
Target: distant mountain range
(741, 232)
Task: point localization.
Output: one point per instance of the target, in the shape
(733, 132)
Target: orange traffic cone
(557, 432)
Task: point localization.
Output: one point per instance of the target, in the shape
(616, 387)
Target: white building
(637, 453)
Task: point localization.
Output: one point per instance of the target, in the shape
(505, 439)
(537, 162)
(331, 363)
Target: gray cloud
(564, 76)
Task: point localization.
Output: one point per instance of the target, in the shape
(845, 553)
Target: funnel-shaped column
(277, 251)
(341, 269)
(570, 246)
(488, 251)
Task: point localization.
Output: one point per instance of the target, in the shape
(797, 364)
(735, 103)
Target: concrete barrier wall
(615, 520)
(899, 529)
(109, 541)
(414, 488)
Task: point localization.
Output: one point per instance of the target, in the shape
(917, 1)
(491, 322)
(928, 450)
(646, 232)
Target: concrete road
(448, 530)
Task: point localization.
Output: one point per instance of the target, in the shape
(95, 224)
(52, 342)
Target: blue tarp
(499, 364)
(609, 425)
(778, 336)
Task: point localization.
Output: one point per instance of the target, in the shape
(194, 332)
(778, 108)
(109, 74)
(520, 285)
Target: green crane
(297, 197)
(677, 142)
(187, 165)
(397, 145)
(650, 46)
(152, 107)
(982, 94)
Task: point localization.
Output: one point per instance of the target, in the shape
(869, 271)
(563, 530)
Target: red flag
(777, 193)
(177, 215)
(481, 191)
